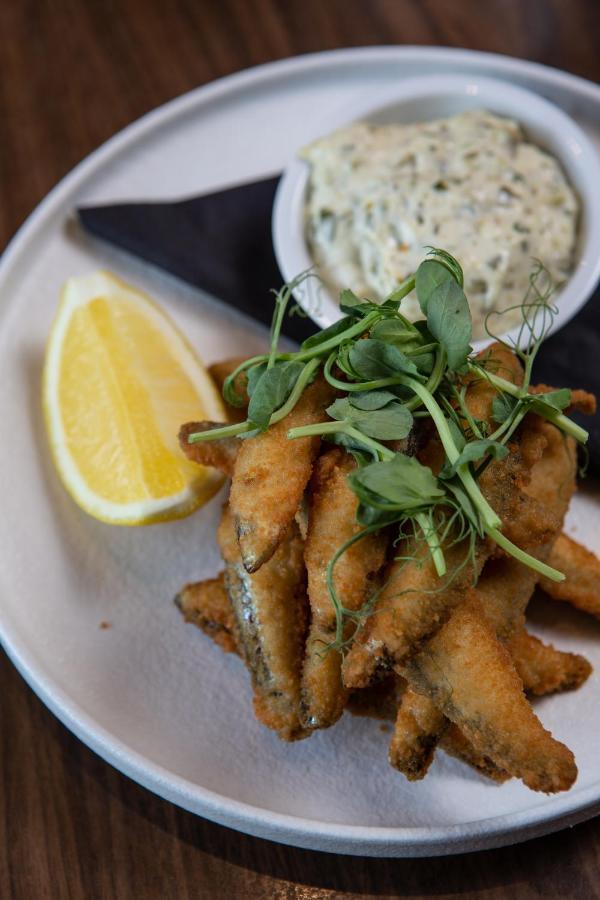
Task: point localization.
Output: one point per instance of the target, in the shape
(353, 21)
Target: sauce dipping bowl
(433, 97)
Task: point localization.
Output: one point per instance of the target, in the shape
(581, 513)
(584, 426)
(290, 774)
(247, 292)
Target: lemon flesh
(119, 381)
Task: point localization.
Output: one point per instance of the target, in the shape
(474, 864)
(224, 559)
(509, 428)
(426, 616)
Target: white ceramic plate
(149, 694)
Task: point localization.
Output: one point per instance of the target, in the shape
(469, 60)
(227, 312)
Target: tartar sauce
(471, 184)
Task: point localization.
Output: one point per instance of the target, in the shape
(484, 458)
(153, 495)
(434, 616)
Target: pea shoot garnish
(387, 372)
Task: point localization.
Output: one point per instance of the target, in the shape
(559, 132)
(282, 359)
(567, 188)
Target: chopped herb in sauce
(379, 194)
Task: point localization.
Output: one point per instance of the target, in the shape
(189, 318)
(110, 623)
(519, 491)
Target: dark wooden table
(72, 73)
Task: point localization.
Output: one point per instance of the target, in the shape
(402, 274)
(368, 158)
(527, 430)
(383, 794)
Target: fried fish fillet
(503, 590)
(502, 593)
(552, 478)
(382, 700)
(418, 728)
(270, 476)
(581, 587)
(206, 604)
(220, 454)
(270, 614)
(542, 668)
(471, 678)
(414, 601)
(545, 670)
(332, 521)
(412, 604)
(527, 520)
(454, 742)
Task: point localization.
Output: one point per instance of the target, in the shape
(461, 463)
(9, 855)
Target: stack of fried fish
(450, 659)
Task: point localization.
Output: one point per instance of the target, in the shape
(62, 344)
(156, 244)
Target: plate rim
(388, 841)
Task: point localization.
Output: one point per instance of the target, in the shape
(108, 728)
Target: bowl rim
(570, 146)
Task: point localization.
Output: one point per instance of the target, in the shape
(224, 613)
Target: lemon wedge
(119, 381)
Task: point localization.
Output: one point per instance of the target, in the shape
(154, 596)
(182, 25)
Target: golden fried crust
(456, 744)
(470, 676)
(207, 605)
(323, 694)
(552, 481)
(524, 521)
(581, 587)
(503, 481)
(219, 454)
(503, 591)
(500, 361)
(270, 475)
(331, 522)
(269, 608)
(413, 603)
(544, 669)
(418, 728)
(219, 371)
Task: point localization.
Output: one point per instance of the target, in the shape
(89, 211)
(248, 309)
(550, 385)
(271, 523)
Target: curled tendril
(537, 317)
(447, 260)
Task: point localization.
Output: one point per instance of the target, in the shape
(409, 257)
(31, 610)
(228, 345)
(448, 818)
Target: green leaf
(343, 361)
(254, 376)
(449, 321)
(401, 484)
(392, 422)
(408, 339)
(270, 391)
(558, 400)
(333, 331)
(395, 331)
(430, 276)
(371, 399)
(503, 407)
(424, 362)
(372, 359)
(474, 451)
(442, 299)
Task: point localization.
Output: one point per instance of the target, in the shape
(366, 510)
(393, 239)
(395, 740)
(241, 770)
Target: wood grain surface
(72, 73)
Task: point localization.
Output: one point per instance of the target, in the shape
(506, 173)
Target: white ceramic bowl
(433, 97)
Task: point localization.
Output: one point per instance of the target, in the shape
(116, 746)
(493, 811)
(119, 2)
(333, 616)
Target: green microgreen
(389, 372)
(390, 422)
(269, 391)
